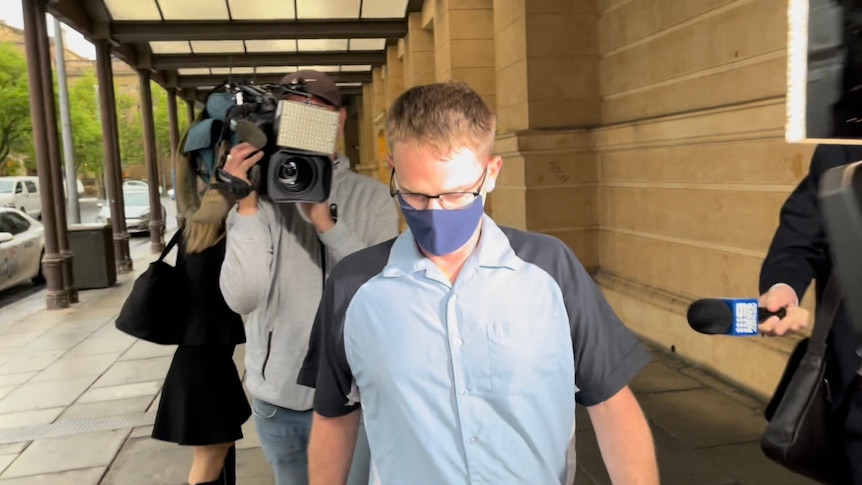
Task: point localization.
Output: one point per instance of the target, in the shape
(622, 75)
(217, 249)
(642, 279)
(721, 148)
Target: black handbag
(804, 434)
(157, 308)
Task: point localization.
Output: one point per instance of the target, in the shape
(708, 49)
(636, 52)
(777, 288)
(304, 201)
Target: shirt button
(464, 392)
(473, 439)
(458, 342)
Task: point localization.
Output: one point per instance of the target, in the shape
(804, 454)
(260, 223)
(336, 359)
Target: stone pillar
(367, 156)
(393, 83)
(378, 123)
(464, 44)
(419, 53)
(547, 81)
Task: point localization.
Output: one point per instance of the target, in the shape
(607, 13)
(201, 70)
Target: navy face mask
(440, 231)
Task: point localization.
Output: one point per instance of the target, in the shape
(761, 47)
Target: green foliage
(86, 124)
(87, 136)
(14, 103)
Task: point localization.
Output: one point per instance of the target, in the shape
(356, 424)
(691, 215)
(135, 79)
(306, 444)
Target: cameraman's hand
(239, 162)
(319, 215)
(796, 317)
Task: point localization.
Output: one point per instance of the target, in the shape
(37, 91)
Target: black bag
(804, 434)
(157, 308)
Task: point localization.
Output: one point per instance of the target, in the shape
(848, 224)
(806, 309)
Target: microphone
(728, 316)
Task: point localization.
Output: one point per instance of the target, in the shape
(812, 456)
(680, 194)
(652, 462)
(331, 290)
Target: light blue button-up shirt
(471, 382)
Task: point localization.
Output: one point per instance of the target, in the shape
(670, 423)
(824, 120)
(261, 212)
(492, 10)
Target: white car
(137, 203)
(22, 245)
(132, 184)
(21, 193)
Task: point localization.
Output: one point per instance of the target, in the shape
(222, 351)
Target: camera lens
(287, 172)
(296, 174)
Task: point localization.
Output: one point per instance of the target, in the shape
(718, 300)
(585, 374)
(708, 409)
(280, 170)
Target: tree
(87, 135)
(15, 126)
(130, 128)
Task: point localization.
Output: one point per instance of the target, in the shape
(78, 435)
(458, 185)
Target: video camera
(296, 137)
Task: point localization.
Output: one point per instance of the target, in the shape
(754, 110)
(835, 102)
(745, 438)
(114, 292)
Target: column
(378, 122)
(464, 44)
(190, 108)
(55, 161)
(548, 100)
(52, 261)
(111, 153)
(174, 123)
(118, 173)
(367, 157)
(419, 55)
(157, 243)
(393, 84)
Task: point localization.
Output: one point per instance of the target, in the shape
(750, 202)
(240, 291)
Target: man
(466, 344)
(276, 262)
(798, 254)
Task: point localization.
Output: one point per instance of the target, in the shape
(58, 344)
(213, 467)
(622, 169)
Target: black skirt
(203, 402)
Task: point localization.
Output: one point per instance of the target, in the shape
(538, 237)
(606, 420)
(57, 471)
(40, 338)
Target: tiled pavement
(77, 399)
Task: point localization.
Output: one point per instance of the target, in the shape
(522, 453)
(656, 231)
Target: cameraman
(277, 259)
(798, 254)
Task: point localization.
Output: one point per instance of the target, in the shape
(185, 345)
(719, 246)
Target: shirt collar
(493, 251)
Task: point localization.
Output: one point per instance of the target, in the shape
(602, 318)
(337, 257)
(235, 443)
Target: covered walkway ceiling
(198, 44)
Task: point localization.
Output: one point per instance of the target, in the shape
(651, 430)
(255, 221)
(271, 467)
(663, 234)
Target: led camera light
(304, 126)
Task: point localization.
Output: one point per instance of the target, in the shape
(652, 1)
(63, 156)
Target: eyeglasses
(448, 200)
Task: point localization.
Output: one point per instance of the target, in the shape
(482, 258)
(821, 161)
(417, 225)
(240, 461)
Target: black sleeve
(799, 251)
(607, 354)
(325, 367)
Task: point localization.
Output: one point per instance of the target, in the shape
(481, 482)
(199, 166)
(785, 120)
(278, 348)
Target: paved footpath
(77, 403)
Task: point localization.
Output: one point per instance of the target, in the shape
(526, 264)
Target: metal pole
(104, 162)
(118, 171)
(52, 262)
(50, 108)
(190, 106)
(73, 208)
(174, 126)
(157, 243)
(103, 57)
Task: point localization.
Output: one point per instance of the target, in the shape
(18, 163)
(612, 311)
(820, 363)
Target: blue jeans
(284, 436)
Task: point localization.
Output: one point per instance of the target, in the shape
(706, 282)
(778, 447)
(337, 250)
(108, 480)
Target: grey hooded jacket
(273, 272)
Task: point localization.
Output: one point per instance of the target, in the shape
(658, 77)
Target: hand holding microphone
(795, 318)
(776, 313)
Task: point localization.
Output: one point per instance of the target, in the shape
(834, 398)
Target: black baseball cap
(318, 84)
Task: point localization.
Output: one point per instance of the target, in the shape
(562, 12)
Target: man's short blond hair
(445, 117)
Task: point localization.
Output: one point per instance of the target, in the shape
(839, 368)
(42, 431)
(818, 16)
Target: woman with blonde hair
(203, 404)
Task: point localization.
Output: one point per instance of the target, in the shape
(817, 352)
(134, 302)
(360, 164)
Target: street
(89, 210)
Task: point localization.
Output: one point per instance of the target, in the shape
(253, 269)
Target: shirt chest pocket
(526, 356)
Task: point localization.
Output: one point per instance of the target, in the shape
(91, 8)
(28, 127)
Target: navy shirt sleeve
(333, 378)
(607, 354)
(325, 366)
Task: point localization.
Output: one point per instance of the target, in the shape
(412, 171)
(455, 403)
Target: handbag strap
(173, 242)
(825, 316)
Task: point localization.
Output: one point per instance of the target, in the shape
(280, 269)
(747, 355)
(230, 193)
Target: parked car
(137, 204)
(21, 193)
(22, 245)
(134, 184)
